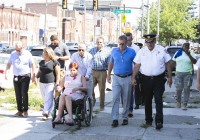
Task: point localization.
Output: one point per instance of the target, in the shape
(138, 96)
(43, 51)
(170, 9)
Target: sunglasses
(81, 50)
(121, 44)
(99, 42)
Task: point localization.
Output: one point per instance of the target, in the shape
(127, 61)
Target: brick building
(53, 8)
(17, 24)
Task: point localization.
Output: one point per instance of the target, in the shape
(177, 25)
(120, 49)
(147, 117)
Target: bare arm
(169, 73)
(198, 79)
(110, 67)
(135, 72)
(7, 68)
(57, 71)
(64, 57)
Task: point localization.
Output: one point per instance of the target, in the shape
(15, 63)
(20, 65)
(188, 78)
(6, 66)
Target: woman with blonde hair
(49, 74)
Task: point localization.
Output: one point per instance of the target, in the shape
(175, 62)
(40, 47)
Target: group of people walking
(139, 72)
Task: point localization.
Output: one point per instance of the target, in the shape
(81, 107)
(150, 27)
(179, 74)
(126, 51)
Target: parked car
(112, 45)
(5, 84)
(72, 46)
(38, 50)
(3, 47)
(9, 50)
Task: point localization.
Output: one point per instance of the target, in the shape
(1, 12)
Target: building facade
(17, 24)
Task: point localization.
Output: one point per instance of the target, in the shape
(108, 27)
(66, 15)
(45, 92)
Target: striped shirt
(100, 58)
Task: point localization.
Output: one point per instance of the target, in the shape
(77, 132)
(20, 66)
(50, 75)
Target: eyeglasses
(81, 50)
(99, 42)
(121, 44)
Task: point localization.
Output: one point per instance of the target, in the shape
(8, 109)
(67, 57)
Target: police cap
(149, 37)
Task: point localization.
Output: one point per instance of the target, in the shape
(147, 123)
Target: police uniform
(152, 69)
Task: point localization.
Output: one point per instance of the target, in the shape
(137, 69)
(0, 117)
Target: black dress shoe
(136, 107)
(159, 126)
(125, 122)
(149, 123)
(115, 123)
(130, 114)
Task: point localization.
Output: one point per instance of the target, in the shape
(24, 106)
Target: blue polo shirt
(123, 61)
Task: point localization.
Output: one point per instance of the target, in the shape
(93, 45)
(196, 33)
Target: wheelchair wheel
(87, 110)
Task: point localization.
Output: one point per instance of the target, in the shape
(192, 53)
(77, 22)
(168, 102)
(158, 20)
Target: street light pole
(142, 24)
(45, 25)
(148, 17)
(84, 22)
(158, 24)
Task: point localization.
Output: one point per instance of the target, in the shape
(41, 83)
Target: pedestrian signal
(95, 5)
(64, 4)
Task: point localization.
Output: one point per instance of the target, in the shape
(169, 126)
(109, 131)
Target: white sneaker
(184, 107)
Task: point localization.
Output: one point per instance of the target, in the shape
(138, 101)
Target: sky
(135, 13)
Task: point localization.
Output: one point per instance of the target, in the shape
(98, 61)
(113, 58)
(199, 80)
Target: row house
(16, 24)
(51, 8)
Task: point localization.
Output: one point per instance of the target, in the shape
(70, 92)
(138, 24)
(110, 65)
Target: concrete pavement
(178, 124)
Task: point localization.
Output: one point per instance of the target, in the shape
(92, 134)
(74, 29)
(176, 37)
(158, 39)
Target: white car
(5, 84)
(8, 83)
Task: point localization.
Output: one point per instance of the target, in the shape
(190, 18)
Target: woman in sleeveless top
(75, 86)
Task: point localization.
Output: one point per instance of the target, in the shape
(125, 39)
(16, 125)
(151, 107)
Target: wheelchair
(81, 110)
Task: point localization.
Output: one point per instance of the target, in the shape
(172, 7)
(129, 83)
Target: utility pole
(45, 25)
(158, 24)
(84, 22)
(142, 22)
(148, 17)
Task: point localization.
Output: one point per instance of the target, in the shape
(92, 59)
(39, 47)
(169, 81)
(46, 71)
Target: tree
(175, 20)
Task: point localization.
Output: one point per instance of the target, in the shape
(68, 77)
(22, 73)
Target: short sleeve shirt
(122, 61)
(22, 63)
(48, 71)
(183, 62)
(61, 50)
(100, 58)
(152, 62)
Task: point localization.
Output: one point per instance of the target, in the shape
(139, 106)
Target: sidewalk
(178, 124)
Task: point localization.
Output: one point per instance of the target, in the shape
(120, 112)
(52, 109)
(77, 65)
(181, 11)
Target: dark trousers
(21, 86)
(153, 87)
(137, 94)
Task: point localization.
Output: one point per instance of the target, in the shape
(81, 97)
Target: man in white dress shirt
(152, 61)
(84, 61)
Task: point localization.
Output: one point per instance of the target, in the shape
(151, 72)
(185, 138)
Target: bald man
(84, 61)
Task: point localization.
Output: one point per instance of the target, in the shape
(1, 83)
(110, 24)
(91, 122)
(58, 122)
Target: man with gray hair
(84, 61)
(23, 70)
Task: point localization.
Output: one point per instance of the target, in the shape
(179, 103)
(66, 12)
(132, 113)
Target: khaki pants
(62, 75)
(99, 77)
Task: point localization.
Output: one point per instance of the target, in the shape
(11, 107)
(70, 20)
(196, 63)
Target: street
(178, 124)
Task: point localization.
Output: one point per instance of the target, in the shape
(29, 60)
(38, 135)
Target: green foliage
(175, 20)
(35, 99)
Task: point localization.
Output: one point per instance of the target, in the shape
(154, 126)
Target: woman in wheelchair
(74, 86)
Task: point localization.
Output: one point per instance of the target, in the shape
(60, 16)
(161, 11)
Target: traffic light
(64, 4)
(95, 5)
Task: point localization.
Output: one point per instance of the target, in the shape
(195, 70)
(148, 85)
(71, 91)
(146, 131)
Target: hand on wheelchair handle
(58, 88)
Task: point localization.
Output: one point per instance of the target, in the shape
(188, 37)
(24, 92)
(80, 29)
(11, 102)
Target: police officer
(152, 61)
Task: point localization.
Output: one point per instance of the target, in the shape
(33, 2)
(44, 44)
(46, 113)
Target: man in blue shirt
(122, 62)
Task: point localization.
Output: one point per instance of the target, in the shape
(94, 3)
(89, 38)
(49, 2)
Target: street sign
(123, 20)
(122, 11)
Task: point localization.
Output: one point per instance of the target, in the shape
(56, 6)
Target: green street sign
(122, 11)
